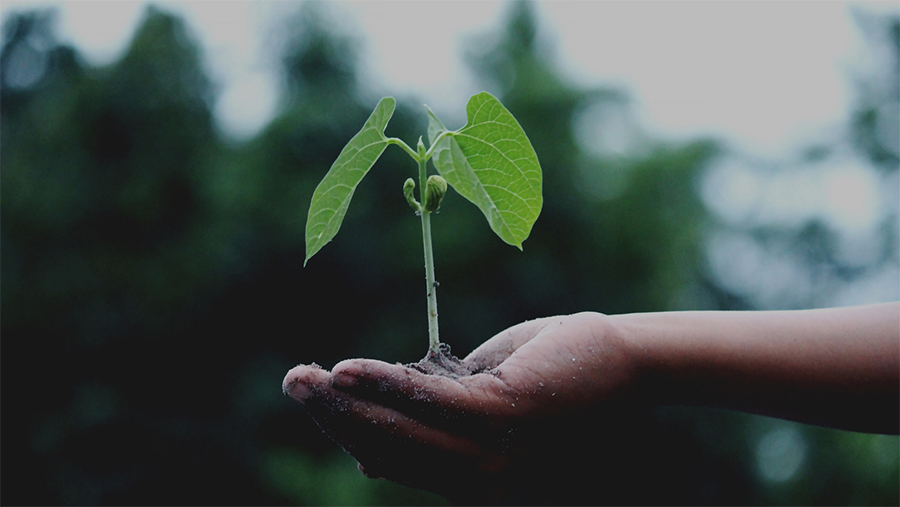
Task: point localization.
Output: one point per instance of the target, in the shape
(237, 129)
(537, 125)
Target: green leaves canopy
(491, 162)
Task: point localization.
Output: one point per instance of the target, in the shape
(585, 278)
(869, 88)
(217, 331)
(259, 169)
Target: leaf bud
(435, 188)
(408, 186)
(420, 148)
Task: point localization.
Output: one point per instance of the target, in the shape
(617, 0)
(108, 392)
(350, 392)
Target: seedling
(489, 161)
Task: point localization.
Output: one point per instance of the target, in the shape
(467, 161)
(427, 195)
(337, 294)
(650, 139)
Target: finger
(302, 380)
(354, 421)
(434, 399)
(498, 348)
(390, 444)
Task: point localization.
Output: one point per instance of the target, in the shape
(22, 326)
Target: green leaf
(332, 197)
(491, 162)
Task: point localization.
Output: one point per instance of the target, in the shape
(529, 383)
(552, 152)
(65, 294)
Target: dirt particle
(443, 363)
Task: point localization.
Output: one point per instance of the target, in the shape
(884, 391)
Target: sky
(764, 75)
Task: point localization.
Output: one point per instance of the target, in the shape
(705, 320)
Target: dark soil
(444, 363)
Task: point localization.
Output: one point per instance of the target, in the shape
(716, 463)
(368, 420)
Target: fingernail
(297, 390)
(344, 380)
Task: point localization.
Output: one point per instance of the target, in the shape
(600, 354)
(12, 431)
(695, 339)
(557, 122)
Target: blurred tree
(318, 62)
(105, 254)
(875, 124)
(153, 282)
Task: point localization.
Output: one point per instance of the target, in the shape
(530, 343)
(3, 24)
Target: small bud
(408, 186)
(420, 148)
(435, 188)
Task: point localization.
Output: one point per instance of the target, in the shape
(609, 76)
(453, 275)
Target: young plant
(489, 161)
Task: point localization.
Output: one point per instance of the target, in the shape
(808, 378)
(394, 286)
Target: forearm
(834, 367)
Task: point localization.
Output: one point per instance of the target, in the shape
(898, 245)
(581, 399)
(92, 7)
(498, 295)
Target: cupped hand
(467, 438)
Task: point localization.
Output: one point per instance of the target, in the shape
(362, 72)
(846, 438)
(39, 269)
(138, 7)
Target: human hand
(469, 438)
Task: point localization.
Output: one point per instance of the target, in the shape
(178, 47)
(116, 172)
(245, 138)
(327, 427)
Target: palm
(422, 430)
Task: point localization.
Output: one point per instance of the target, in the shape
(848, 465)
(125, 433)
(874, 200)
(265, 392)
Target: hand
(468, 438)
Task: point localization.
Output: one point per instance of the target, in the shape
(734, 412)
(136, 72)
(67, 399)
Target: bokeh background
(153, 294)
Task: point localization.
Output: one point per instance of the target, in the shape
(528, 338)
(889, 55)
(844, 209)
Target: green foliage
(491, 163)
(332, 196)
(490, 160)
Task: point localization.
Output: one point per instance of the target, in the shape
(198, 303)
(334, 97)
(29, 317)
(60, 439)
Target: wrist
(620, 360)
(649, 383)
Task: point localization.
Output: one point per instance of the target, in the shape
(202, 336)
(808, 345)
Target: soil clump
(445, 364)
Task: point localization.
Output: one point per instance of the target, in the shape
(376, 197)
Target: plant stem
(399, 142)
(431, 286)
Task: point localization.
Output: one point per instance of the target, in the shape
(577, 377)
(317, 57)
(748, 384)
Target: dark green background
(153, 294)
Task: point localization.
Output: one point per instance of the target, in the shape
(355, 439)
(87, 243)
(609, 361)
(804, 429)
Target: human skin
(463, 438)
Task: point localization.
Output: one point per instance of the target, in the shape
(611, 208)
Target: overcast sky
(765, 75)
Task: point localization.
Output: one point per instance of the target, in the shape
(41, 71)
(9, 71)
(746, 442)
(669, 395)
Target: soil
(444, 363)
